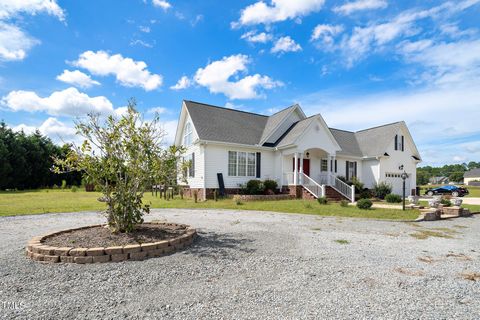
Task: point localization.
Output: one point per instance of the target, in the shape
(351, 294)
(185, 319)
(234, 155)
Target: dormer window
(399, 143)
(187, 135)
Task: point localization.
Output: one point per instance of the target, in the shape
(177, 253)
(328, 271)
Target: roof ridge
(293, 105)
(376, 127)
(342, 130)
(224, 108)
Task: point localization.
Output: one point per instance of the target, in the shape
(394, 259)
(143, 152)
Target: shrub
(393, 198)
(74, 189)
(64, 184)
(270, 185)
(344, 203)
(322, 200)
(359, 186)
(342, 178)
(364, 204)
(238, 202)
(446, 202)
(365, 194)
(255, 187)
(55, 186)
(382, 189)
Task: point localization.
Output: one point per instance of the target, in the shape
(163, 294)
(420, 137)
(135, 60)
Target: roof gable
(275, 121)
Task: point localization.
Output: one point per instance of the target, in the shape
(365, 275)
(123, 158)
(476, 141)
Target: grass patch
(342, 241)
(425, 234)
(51, 201)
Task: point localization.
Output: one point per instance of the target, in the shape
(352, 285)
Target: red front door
(306, 166)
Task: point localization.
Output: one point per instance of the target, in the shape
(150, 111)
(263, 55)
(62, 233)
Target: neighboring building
(471, 176)
(301, 153)
(438, 180)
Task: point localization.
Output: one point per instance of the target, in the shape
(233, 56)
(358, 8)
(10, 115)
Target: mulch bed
(102, 237)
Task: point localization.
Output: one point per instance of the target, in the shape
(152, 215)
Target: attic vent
(317, 128)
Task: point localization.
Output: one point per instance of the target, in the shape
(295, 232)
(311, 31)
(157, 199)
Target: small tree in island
(123, 157)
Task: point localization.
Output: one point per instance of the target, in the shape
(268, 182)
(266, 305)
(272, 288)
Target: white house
(301, 153)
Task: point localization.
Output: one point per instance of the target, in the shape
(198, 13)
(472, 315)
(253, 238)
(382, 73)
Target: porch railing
(311, 185)
(318, 189)
(343, 188)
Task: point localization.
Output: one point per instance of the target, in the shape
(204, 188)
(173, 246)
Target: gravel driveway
(254, 265)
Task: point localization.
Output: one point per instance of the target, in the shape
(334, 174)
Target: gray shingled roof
(233, 126)
(474, 173)
(226, 125)
(348, 142)
(274, 120)
(374, 141)
(294, 132)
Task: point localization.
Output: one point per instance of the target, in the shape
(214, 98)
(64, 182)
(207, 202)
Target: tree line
(454, 172)
(26, 161)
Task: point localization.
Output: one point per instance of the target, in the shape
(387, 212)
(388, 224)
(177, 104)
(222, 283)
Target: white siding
(217, 162)
(198, 180)
(370, 172)
(392, 164)
(342, 167)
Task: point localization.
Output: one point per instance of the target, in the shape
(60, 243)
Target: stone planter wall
(38, 251)
(262, 197)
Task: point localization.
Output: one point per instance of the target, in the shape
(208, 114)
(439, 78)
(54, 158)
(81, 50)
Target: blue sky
(359, 63)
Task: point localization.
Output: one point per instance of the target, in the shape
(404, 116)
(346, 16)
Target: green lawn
(50, 201)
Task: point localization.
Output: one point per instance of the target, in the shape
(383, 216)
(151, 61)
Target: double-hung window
(187, 135)
(242, 164)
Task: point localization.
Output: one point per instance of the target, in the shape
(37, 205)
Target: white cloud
(145, 29)
(216, 77)
(77, 78)
(14, 43)
(165, 5)
(324, 34)
(285, 44)
(69, 102)
(254, 37)
(159, 110)
(9, 8)
(377, 35)
(360, 5)
(434, 115)
(183, 83)
(141, 43)
(128, 72)
(277, 10)
(52, 127)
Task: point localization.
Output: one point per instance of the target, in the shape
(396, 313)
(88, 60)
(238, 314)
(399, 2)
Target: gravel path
(253, 265)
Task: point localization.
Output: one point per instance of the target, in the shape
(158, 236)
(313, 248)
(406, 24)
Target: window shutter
(346, 167)
(355, 169)
(259, 162)
(335, 165)
(396, 142)
(403, 142)
(331, 165)
(192, 167)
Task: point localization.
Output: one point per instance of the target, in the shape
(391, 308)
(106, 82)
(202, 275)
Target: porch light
(308, 154)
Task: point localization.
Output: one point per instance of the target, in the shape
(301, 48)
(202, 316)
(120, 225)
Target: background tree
(121, 156)
(26, 161)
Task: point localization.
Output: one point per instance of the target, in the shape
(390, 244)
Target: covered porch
(313, 169)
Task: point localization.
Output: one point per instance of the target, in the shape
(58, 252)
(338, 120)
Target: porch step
(333, 195)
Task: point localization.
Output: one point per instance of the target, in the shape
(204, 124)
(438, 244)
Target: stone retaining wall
(38, 251)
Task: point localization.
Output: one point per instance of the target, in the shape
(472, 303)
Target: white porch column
(281, 170)
(295, 169)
